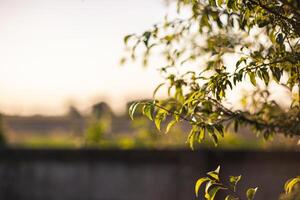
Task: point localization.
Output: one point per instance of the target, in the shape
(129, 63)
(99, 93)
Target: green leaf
(170, 125)
(122, 61)
(220, 129)
(230, 4)
(288, 187)
(157, 122)
(160, 116)
(243, 59)
(252, 78)
(191, 137)
(263, 23)
(233, 180)
(212, 2)
(157, 88)
(214, 174)
(220, 2)
(276, 73)
(215, 139)
(236, 126)
(199, 183)
(266, 77)
(147, 36)
(212, 193)
(127, 37)
(132, 109)
(148, 110)
(210, 184)
(201, 135)
(251, 193)
(229, 197)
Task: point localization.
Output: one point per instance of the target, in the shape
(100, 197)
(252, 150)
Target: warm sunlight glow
(56, 52)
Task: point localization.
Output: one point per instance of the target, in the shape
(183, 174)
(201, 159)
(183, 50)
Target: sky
(54, 53)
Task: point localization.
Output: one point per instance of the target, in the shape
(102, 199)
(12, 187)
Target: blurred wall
(137, 174)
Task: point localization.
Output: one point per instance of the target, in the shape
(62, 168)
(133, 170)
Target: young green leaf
(160, 116)
(251, 193)
(170, 125)
(233, 180)
(199, 183)
(229, 197)
(132, 109)
(220, 2)
(220, 129)
(157, 88)
(214, 174)
(201, 135)
(147, 36)
(148, 110)
(230, 4)
(191, 137)
(127, 37)
(252, 78)
(288, 187)
(212, 2)
(212, 193)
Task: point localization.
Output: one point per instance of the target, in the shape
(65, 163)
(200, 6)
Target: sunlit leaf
(289, 185)
(160, 116)
(148, 110)
(251, 193)
(127, 37)
(170, 125)
(212, 2)
(157, 88)
(215, 174)
(132, 109)
(199, 183)
(212, 193)
(252, 78)
(220, 2)
(230, 197)
(233, 180)
(147, 36)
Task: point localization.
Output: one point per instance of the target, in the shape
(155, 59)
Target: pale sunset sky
(59, 52)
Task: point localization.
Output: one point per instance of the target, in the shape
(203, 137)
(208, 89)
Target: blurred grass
(230, 141)
(144, 136)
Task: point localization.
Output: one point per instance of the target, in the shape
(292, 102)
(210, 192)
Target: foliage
(147, 136)
(99, 124)
(213, 184)
(94, 132)
(219, 47)
(57, 140)
(292, 191)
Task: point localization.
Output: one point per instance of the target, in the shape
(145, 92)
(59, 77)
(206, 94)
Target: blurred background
(62, 87)
(61, 83)
(59, 59)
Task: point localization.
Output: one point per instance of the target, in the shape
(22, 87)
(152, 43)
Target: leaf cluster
(213, 185)
(196, 57)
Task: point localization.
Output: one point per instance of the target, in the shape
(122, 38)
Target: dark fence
(136, 174)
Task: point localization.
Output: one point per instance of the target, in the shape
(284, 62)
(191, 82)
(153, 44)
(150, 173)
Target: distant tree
(99, 123)
(217, 48)
(94, 133)
(101, 109)
(76, 120)
(74, 113)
